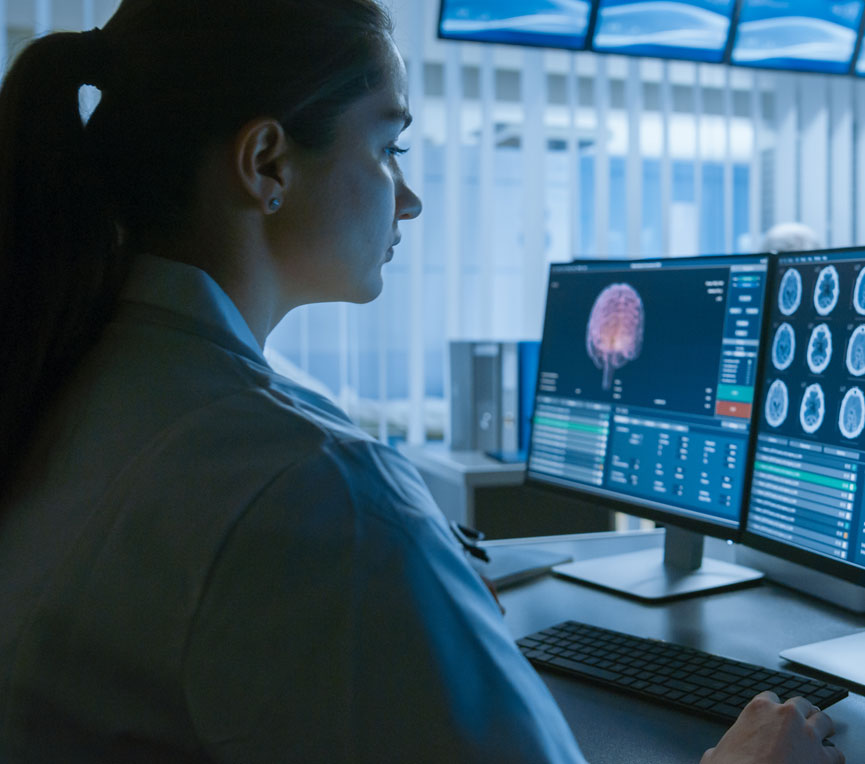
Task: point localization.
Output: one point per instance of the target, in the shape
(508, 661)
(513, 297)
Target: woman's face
(340, 220)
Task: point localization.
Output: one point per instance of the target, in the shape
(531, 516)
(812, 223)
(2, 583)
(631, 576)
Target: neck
(243, 277)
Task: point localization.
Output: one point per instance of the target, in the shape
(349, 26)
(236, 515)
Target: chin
(368, 292)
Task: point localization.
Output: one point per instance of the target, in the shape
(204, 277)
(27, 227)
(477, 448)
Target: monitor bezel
(593, 10)
(842, 569)
(851, 67)
(634, 506)
(725, 50)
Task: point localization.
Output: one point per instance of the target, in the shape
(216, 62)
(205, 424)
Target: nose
(408, 203)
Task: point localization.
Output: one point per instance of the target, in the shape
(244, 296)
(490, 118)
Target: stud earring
(274, 204)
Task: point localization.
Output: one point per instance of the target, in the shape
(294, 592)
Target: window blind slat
(453, 185)
(698, 152)
(602, 161)
(534, 198)
(41, 17)
(574, 170)
(666, 163)
(634, 167)
(841, 168)
(786, 148)
(88, 14)
(343, 345)
(859, 105)
(814, 157)
(416, 378)
(729, 244)
(755, 222)
(486, 188)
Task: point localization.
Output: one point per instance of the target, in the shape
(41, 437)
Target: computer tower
(487, 385)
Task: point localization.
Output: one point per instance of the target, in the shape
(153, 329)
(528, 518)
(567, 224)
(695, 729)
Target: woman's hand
(770, 732)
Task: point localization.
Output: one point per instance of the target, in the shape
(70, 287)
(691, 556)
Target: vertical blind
(526, 156)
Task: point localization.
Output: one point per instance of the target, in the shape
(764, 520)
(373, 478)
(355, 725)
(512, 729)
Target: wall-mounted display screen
(549, 23)
(804, 35)
(695, 30)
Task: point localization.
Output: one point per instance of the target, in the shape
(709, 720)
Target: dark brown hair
(76, 200)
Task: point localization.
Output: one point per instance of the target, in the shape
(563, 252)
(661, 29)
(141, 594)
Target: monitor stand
(682, 571)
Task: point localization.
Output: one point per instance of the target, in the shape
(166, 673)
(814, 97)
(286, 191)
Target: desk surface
(752, 624)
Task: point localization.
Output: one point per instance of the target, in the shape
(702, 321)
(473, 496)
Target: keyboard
(674, 675)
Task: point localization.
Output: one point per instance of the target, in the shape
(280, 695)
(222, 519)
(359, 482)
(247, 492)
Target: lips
(389, 254)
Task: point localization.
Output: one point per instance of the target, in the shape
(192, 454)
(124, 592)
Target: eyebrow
(398, 115)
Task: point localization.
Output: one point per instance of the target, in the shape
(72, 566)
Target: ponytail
(59, 269)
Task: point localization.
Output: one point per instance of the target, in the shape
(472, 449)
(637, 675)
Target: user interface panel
(646, 383)
(553, 23)
(808, 35)
(696, 30)
(810, 456)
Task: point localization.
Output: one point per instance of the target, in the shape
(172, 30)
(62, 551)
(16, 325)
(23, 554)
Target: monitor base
(840, 657)
(644, 576)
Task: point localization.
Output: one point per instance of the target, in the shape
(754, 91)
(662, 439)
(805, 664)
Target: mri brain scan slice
(776, 403)
(826, 290)
(614, 334)
(783, 347)
(851, 418)
(856, 352)
(813, 408)
(819, 349)
(859, 293)
(790, 292)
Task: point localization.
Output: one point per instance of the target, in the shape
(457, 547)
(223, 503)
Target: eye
(395, 151)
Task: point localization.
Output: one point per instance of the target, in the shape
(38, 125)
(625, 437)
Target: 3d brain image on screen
(777, 402)
(614, 335)
(819, 349)
(783, 347)
(826, 290)
(790, 292)
(813, 408)
(859, 293)
(856, 352)
(851, 418)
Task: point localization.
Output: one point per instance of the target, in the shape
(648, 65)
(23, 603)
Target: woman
(199, 560)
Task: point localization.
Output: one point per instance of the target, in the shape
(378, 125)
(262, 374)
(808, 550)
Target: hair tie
(97, 57)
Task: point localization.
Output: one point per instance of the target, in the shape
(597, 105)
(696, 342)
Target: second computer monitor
(808, 497)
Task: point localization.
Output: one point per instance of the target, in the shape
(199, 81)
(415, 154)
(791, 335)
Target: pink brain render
(614, 335)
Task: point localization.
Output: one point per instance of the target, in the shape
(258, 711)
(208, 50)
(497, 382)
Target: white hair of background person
(790, 237)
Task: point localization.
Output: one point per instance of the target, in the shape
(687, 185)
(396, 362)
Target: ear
(261, 157)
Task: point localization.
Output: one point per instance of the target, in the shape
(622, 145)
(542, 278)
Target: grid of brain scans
(811, 438)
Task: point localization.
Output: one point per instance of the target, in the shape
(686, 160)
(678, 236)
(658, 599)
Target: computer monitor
(802, 35)
(807, 500)
(548, 23)
(694, 30)
(643, 404)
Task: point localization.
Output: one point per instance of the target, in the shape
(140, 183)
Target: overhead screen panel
(549, 23)
(803, 35)
(695, 30)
